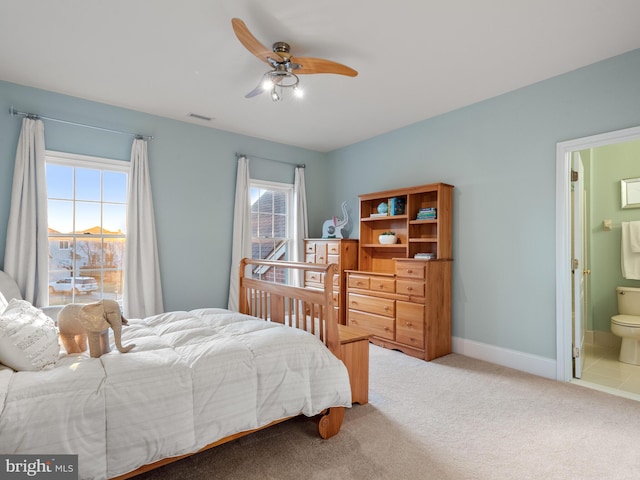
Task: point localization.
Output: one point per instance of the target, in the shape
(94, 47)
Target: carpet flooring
(452, 418)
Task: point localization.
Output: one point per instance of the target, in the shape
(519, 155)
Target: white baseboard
(526, 362)
(589, 337)
(606, 339)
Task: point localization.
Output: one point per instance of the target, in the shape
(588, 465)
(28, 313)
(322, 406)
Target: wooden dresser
(401, 293)
(341, 251)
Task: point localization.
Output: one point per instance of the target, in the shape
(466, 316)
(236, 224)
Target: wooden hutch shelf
(397, 295)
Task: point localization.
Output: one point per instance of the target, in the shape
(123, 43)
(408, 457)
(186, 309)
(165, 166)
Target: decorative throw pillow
(28, 338)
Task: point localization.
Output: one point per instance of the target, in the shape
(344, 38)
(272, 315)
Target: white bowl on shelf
(387, 239)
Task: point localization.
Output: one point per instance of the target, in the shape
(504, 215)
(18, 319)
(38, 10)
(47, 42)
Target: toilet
(627, 324)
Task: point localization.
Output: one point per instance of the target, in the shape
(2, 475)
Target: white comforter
(193, 378)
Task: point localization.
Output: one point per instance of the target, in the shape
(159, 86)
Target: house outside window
(271, 226)
(87, 217)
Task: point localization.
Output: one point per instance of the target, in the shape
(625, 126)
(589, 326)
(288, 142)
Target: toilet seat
(626, 320)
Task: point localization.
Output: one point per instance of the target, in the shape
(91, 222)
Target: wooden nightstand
(354, 353)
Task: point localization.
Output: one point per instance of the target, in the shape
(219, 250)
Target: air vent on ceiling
(200, 117)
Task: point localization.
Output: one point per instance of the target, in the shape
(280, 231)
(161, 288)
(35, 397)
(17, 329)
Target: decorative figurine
(332, 228)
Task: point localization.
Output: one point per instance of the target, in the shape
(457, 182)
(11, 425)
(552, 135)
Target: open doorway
(567, 339)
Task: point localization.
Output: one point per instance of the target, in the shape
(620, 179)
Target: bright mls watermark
(50, 467)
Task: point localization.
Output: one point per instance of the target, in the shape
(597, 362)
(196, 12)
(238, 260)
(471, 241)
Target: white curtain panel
(26, 257)
(142, 286)
(241, 246)
(300, 221)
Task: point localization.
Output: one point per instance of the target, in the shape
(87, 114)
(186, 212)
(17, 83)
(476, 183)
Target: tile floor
(603, 371)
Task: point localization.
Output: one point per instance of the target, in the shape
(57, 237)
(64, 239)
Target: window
(270, 225)
(87, 204)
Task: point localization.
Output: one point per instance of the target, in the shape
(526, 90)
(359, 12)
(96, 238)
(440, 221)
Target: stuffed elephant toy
(81, 322)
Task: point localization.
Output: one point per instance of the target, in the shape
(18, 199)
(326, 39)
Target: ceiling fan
(285, 68)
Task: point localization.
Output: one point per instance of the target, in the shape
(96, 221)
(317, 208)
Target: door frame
(564, 357)
(578, 223)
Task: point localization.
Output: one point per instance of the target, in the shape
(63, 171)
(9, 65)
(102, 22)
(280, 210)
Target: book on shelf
(378, 215)
(396, 206)
(425, 256)
(427, 214)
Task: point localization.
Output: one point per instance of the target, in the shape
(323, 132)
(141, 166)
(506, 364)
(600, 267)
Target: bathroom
(604, 168)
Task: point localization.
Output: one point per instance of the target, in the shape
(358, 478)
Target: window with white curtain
(271, 227)
(87, 219)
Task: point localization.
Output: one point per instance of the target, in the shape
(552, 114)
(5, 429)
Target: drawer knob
(409, 271)
(386, 329)
(409, 324)
(409, 289)
(386, 308)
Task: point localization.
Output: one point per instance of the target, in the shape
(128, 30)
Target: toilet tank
(628, 300)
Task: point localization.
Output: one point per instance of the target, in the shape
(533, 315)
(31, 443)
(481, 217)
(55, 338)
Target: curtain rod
(42, 117)
(300, 165)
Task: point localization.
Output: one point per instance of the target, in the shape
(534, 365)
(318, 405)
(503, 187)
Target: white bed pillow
(3, 303)
(28, 338)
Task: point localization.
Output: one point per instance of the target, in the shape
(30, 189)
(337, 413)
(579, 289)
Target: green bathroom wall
(609, 164)
(585, 155)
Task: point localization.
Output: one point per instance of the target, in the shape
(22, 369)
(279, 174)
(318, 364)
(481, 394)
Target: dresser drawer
(381, 284)
(410, 269)
(333, 248)
(364, 303)
(358, 281)
(410, 287)
(410, 323)
(321, 252)
(333, 259)
(375, 324)
(310, 257)
(314, 277)
(310, 247)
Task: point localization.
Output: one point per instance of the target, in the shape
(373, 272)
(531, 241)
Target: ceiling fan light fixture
(267, 83)
(284, 64)
(278, 80)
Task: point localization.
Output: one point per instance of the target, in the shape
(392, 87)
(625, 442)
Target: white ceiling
(415, 58)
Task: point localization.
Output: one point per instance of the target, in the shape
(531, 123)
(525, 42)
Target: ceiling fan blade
(308, 65)
(261, 87)
(255, 92)
(250, 42)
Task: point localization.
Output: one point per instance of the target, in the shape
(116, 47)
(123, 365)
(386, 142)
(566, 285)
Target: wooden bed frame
(308, 309)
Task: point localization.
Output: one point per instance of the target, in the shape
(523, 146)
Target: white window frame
(85, 161)
(288, 189)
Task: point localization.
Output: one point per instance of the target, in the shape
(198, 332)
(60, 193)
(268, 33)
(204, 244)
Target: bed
(194, 380)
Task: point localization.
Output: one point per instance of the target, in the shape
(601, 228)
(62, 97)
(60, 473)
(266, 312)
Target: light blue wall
(193, 172)
(609, 165)
(500, 155)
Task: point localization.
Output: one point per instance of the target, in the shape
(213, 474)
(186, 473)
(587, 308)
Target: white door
(578, 266)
